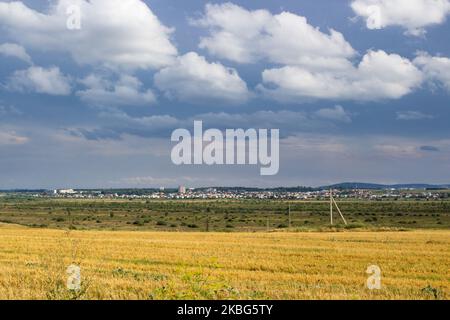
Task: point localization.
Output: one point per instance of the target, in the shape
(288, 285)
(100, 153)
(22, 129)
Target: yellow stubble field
(171, 265)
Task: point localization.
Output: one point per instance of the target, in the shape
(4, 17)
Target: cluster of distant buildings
(242, 193)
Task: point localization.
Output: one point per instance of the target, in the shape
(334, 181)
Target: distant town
(341, 191)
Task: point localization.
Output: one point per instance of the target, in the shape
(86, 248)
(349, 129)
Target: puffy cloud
(14, 50)
(436, 69)
(378, 76)
(114, 33)
(337, 113)
(413, 15)
(315, 65)
(40, 80)
(246, 36)
(412, 115)
(125, 92)
(192, 78)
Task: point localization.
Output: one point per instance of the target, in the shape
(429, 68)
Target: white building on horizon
(64, 191)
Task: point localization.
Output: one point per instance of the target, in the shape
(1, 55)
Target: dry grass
(156, 265)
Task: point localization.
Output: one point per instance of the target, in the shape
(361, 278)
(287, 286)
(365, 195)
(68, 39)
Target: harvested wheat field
(279, 265)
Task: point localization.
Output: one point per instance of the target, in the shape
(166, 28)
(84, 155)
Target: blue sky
(355, 99)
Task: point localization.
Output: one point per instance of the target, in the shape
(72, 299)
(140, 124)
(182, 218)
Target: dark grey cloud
(119, 123)
(429, 149)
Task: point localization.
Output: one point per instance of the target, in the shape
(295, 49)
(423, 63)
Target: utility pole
(333, 202)
(340, 213)
(70, 219)
(207, 223)
(290, 220)
(331, 206)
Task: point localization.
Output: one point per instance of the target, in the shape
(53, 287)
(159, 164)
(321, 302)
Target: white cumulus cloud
(40, 80)
(436, 69)
(378, 76)
(245, 36)
(194, 79)
(114, 33)
(412, 15)
(14, 50)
